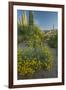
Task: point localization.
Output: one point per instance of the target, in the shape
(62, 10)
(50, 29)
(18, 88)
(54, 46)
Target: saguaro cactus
(31, 19)
(24, 19)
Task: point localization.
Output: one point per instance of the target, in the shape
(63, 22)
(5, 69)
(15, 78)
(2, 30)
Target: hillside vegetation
(35, 52)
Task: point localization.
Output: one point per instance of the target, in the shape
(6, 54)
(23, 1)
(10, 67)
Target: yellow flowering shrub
(30, 62)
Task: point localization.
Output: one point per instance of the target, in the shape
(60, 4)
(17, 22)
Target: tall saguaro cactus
(31, 19)
(24, 19)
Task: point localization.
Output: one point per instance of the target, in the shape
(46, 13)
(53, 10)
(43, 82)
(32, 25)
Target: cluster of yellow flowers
(28, 66)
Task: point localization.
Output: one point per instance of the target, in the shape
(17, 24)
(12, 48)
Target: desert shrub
(30, 33)
(19, 63)
(19, 54)
(48, 58)
(31, 60)
(26, 68)
(51, 38)
(23, 33)
(42, 53)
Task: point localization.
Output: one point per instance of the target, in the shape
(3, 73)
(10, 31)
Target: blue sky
(45, 19)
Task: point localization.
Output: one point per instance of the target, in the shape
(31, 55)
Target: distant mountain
(49, 30)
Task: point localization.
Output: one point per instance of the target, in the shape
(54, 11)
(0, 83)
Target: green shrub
(32, 60)
(48, 58)
(51, 38)
(28, 67)
(30, 33)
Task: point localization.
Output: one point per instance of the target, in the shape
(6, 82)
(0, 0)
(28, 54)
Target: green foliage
(19, 54)
(32, 36)
(36, 55)
(32, 60)
(23, 33)
(26, 68)
(51, 38)
(48, 58)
